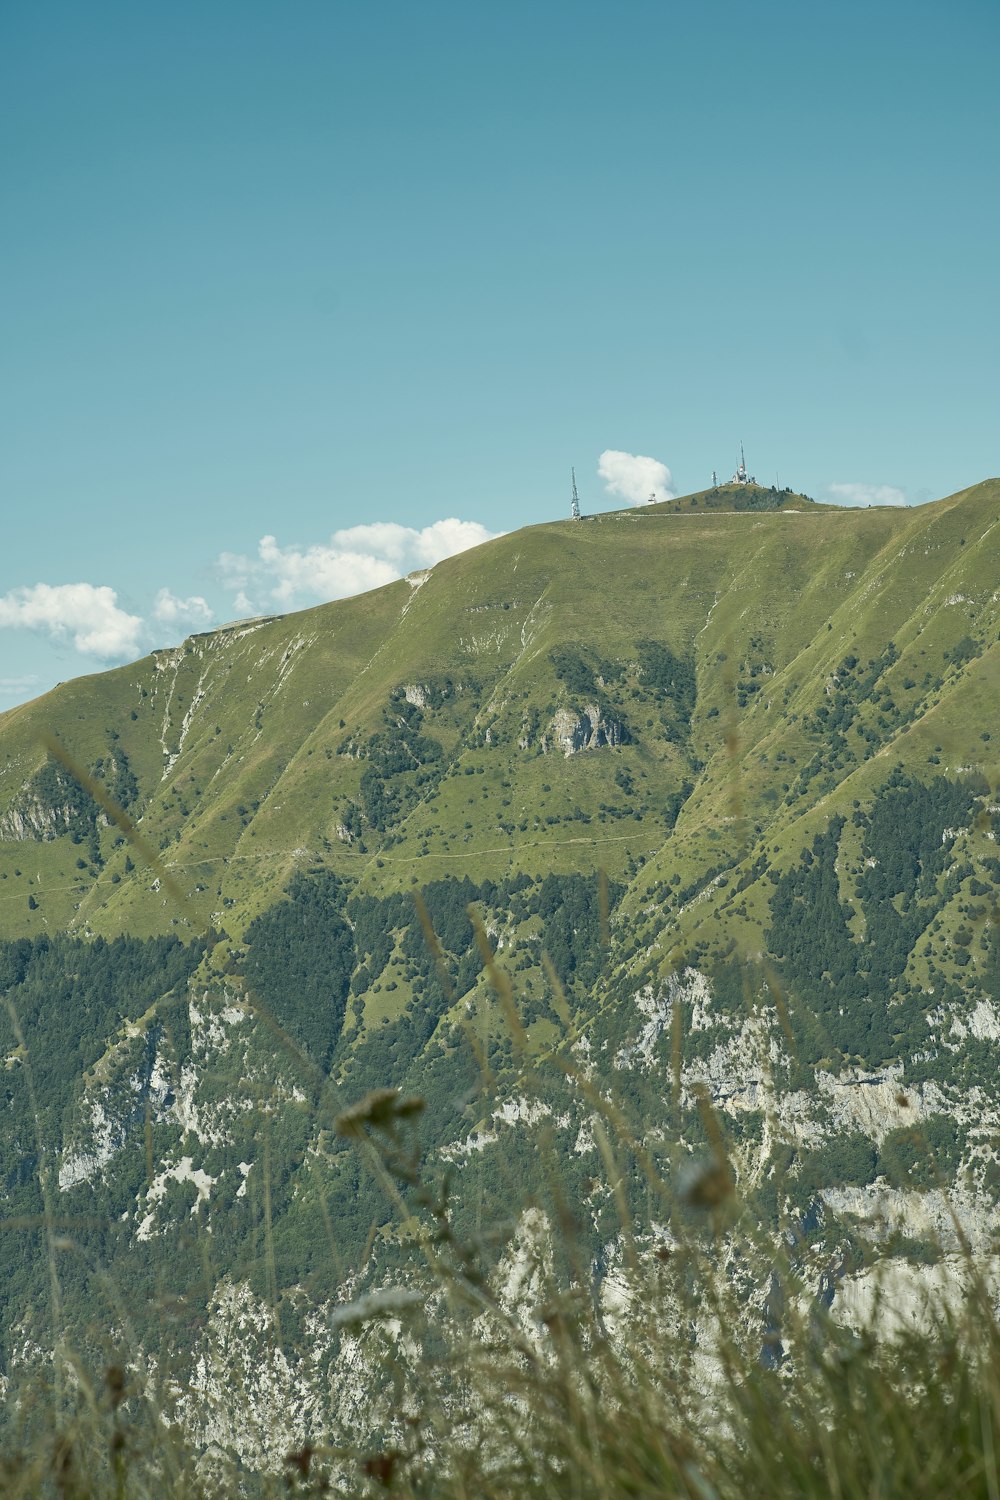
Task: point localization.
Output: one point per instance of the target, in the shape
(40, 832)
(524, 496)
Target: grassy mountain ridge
(248, 746)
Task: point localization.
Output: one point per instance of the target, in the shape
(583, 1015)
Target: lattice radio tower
(575, 510)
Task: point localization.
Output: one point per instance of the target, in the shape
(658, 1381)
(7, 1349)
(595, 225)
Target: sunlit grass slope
(248, 745)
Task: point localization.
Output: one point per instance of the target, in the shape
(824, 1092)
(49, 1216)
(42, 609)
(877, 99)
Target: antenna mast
(576, 498)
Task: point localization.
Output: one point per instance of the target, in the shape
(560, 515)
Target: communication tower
(576, 499)
(741, 476)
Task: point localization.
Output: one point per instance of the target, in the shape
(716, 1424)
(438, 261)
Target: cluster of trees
(70, 996)
(854, 703)
(380, 922)
(910, 871)
(580, 675)
(912, 1156)
(854, 987)
(65, 1003)
(852, 686)
(402, 762)
(754, 670)
(118, 777)
(574, 933)
(308, 954)
(671, 677)
(755, 497)
(72, 809)
(668, 678)
(811, 938)
(299, 961)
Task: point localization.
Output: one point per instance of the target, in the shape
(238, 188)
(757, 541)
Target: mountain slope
(249, 744)
(718, 787)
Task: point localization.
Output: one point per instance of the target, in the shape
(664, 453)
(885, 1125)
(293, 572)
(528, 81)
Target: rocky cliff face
(33, 819)
(200, 1111)
(591, 729)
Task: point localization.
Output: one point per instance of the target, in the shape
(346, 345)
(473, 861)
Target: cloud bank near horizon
(88, 619)
(355, 559)
(85, 615)
(866, 494)
(634, 476)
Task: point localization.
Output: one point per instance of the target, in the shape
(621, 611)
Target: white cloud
(82, 612)
(382, 538)
(406, 546)
(634, 476)
(866, 494)
(355, 559)
(325, 572)
(173, 611)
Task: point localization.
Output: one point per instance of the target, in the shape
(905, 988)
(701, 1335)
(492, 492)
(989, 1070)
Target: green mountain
(717, 778)
(700, 649)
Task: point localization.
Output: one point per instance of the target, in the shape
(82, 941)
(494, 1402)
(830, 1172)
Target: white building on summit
(741, 476)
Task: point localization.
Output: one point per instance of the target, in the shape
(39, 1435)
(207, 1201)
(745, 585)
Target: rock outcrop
(591, 729)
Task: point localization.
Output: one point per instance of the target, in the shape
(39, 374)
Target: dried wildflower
(114, 1379)
(705, 1182)
(300, 1461)
(381, 1466)
(389, 1302)
(381, 1109)
(554, 1319)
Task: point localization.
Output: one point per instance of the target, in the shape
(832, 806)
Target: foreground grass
(684, 1386)
(702, 1363)
(534, 1385)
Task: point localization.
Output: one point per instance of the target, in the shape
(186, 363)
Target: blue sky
(271, 273)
